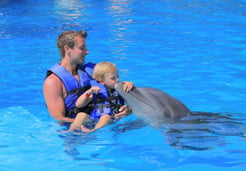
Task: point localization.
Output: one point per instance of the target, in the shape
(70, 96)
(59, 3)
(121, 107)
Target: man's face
(79, 51)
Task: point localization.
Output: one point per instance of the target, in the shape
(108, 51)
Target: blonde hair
(101, 69)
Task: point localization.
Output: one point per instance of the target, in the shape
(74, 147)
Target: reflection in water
(70, 12)
(199, 131)
(119, 26)
(72, 141)
(203, 131)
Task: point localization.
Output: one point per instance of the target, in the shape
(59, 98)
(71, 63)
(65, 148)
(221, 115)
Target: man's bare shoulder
(52, 78)
(53, 81)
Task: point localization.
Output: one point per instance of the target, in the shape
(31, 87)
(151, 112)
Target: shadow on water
(198, 131)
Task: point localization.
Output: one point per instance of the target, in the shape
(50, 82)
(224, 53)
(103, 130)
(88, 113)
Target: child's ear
(101, 81)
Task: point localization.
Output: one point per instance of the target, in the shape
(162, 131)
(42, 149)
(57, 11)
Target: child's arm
(86, 97)
(127, 86)
(103, 121)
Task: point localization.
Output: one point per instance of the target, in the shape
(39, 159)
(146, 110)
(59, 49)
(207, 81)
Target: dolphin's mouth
(132, 91)
(137, 97)
(119, 89)
(143, 101)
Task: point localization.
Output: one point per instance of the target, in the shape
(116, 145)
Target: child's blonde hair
(101, 69)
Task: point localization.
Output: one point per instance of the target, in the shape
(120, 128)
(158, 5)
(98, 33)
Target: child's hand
(93, 90)
(123, 112)
(127, 86)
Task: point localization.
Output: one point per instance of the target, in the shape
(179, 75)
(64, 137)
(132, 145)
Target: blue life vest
(73, 87)
(104, 102)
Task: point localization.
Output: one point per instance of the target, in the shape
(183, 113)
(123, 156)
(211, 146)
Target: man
(66, 81)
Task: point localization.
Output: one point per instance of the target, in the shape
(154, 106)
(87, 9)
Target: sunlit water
(193, 50)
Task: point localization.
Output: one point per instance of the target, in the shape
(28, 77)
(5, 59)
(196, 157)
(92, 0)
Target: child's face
(110, 79)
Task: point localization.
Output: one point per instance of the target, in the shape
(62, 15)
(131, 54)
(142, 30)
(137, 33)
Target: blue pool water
(194, 50)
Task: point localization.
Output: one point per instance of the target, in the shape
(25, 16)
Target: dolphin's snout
(119, 89)
(118, 86)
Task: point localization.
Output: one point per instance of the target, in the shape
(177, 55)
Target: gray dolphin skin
(152, 105)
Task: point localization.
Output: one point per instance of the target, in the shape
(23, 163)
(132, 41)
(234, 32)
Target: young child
(102, 98)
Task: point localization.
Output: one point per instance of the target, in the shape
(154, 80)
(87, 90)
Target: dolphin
(152, 105)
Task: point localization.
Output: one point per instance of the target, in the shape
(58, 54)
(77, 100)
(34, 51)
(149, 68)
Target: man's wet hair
(68, 38)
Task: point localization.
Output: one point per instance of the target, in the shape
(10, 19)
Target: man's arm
(53, 94)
